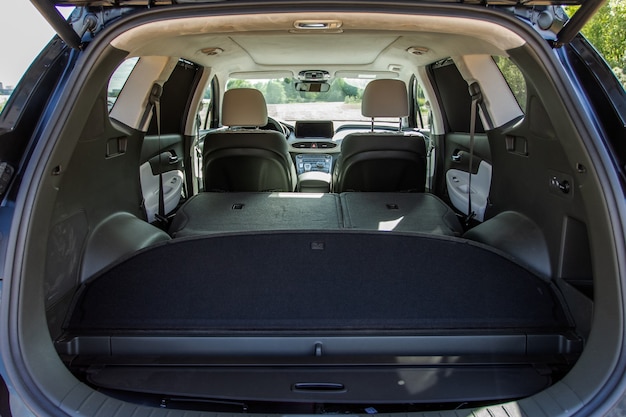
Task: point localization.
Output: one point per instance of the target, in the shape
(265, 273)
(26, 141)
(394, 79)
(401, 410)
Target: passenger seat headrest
(244, 107)
(385, 98)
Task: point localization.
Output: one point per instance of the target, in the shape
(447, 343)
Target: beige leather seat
(387, 161)
(243, 157)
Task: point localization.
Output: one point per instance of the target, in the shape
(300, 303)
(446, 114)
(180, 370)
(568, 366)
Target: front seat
(387, 161)
(243, 157)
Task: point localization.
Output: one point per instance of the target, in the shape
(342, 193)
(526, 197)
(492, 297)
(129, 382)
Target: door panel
(456, 166)
(459, 184)
(453, 148)
(172, 186)
(166, 150)
(169, 147)
(457, 151)
(162, 157)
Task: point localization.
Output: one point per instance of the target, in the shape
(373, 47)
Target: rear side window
(118, 79)
(514, 79)
(205, 107)
(421, 106)
(5, 92)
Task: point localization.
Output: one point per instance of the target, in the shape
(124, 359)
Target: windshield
(341, 103)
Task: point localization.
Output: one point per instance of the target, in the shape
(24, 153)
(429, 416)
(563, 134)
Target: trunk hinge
(58, 23)
(576, 23)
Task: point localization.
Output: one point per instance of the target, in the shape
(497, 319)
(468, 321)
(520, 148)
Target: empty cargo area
(315, 318)
(249, 211)
(209, 212)
(399, 212)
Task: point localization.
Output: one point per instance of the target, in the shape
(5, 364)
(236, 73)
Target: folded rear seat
(208, 213)
(403, 212)
(254, 211)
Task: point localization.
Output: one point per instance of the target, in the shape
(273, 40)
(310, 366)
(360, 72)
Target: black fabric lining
(309, 281)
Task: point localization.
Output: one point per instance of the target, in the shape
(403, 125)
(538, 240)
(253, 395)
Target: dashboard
(314, 163)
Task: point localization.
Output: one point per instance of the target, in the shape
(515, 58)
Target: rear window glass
(118, 79)
(205, 107)
(5, 93)
(422, 106)
(514, 79)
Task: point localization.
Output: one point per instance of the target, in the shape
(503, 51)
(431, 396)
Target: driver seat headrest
(244, 107)
(385, 98)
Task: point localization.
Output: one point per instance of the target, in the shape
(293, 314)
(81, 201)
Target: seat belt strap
(430, 150)
(476, 94)
(155, 100)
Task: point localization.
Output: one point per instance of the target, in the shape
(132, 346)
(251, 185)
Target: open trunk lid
(72, 33)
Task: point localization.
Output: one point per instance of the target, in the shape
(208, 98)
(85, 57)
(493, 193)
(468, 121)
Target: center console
(314, 172)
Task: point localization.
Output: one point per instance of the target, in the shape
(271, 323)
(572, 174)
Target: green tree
(293, 95)
(275, 93)
(342, 91)
(607, 33)
(514, 79)
(351, 91)
(336, 92)
(238, 84)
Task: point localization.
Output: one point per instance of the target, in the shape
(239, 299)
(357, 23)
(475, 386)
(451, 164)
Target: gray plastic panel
(469, 344)
(403, 212)
(443, 382)
(517, 235)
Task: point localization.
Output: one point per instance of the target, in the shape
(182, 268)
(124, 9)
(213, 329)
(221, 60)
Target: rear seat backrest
(245, 158)
(383, 162)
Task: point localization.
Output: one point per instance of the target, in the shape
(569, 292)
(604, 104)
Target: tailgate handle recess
(318, 387)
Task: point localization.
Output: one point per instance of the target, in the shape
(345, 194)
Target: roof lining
(282, 23)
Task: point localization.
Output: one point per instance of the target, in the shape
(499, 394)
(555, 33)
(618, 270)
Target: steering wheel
(273, 124)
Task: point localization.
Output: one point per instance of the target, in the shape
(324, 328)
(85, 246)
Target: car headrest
(244, 107)
(385, 98)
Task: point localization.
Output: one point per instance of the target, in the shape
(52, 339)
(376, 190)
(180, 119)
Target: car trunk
(332, 316)
(310, 320)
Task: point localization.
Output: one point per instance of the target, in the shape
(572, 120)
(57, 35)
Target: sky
(23, 33)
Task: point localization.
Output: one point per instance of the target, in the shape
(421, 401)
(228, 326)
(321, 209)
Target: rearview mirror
(312, 87)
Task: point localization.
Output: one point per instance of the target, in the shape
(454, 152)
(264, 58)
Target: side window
(5, 93)
(205, 107)
(118, 79)
(422, 107)
(514, 79)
